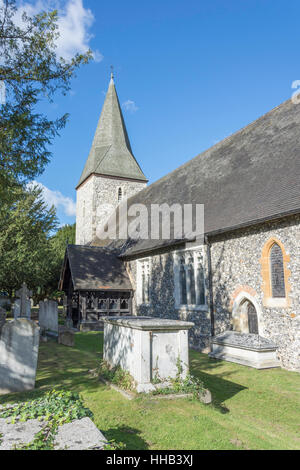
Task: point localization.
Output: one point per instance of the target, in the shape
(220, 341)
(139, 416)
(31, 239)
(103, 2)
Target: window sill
(202, 308)
(276, 302)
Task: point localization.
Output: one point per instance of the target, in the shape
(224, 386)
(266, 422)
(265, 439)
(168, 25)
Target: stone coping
(244, 341)
(149, 323)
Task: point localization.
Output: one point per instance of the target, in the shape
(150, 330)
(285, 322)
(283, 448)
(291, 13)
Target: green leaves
(25, 250)
(56, 408)
(116, 375)
(31, 72)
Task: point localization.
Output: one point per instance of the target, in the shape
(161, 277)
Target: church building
(243, 276)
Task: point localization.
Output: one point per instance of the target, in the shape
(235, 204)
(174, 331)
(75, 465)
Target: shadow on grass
(129, 436)
(222, 389)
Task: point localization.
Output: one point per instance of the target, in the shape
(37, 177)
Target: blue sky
(196, 71)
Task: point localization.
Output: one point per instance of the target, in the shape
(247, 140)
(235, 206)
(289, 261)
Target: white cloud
(57, 199)
(130, 106)
(74, 24)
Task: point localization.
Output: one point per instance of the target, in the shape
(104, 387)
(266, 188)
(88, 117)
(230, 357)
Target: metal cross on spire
(112, 72)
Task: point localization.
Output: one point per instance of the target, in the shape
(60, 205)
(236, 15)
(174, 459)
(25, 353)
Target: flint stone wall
(93, 198)
(19, 345)
(162, 299)
(235, 266)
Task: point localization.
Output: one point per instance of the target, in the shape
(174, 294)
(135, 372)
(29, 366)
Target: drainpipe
(211, 294)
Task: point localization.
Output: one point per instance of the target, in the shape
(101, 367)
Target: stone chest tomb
(247, 349)
(148, 348)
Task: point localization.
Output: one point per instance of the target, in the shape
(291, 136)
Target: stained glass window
(183, 296)
(200, 284)
(192, 281)
(277, 272)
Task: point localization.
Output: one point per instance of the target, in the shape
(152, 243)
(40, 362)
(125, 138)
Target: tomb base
(246, 349)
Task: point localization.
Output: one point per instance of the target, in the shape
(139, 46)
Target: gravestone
(66, 336)
(69, 323)
(48, 316)
(2, 318)
(24, 303)
(19, 346)
(17, 309)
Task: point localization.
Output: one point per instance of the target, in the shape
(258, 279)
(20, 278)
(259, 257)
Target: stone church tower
(111, 172)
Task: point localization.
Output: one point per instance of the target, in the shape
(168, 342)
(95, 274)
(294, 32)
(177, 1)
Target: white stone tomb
(246, 349)
(148, 348)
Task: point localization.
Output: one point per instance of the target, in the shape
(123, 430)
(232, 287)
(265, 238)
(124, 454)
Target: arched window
(200, 284)
(192, 281)
(120, 194)
(143, 282)
(277, 272)
(183, 295)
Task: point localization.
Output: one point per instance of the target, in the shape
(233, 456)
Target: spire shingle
(111, 153)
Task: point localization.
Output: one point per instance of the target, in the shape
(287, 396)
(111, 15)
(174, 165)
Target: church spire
(111, 153)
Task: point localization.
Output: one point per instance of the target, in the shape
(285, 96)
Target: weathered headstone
(69, 323)
(17, 309)
(2, 318)
(81, 434)
(48, 316)
(24, 295)
(19, 346)
(66, 336)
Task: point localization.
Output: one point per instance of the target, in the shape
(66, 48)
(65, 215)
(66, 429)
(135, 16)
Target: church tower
(111, 172)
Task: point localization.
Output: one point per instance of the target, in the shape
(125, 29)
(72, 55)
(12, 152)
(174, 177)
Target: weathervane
(112, 71)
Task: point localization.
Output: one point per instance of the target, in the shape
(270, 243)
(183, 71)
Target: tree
(25, 249)
(31, 71)
(65, 235)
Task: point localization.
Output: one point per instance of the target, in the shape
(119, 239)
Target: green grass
(252, 409)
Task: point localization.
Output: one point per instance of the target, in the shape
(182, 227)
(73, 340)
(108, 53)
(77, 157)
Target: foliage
(56, 408)
(190, 384)
(113, 445)
(116, 375)
(24, 247)
(31, 72)
(58, 242)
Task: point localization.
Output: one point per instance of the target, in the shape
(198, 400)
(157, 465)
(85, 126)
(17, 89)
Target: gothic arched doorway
(245, 318)
(252, 319)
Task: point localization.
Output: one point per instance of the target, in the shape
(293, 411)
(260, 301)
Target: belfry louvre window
(120, 194)
(277, 272)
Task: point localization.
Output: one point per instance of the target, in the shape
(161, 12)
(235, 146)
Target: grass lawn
(252, 409)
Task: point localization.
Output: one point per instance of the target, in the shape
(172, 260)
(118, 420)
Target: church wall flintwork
(237, 268)
(237, 279)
